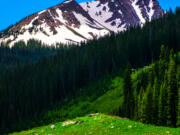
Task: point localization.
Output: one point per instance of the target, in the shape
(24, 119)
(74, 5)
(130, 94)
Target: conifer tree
(128, 93)
(151, 75)
(135, 105)
(162, 117)
(178, 80)
(162, 62)
(155, 102)
(138, 109)
(140, 104)
(144, 114)
(148, 104)
(172, 98)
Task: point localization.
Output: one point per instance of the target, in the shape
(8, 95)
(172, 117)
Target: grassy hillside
(109, 101)
(110, 91)
(100, 124)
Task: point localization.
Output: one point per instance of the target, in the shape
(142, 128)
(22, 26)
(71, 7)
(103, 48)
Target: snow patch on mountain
(86, 25)
(67, 1)
(138, 11)
(102, 14)
(150, 14)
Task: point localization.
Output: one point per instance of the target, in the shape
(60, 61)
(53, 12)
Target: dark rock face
(127, 16)
(145, 7)
(157, 9)
(73, 6)
(130, 12)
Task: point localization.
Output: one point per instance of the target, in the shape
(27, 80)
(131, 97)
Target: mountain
(70, 22)
(64, 23)
(117, 15)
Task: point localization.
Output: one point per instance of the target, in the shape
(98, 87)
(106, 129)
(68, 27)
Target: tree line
(22, 53)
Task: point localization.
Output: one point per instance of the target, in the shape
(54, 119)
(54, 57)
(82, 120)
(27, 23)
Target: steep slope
(100, 124)
(64, 23)
(117, 15)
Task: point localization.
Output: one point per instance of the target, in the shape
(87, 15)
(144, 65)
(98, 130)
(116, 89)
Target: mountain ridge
(70, 22)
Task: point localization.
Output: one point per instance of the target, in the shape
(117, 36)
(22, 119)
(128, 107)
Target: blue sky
(12, 11)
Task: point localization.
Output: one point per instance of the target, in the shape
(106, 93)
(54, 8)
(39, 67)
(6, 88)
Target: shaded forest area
(21, 54)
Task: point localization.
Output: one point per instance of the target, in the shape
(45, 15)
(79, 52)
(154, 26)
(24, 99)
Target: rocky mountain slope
(118, 15)
(70, 22)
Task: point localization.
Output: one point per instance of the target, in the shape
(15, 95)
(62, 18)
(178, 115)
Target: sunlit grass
(101, 124)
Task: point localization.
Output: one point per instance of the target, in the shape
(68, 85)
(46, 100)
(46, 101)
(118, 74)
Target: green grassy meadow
(100, 124)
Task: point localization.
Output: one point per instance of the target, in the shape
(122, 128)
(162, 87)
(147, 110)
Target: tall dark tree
(162, 118)
(128, 93)
(172, 98)
(143, 103)
(149, 104)
(163, 60)
(140, 105)
(155, 102)
(178, 80)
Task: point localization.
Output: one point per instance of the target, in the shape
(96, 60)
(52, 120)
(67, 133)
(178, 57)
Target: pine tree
(128, 93)
(148, 104)
(151, 75)
(135, 117)
(162, 103)
(140, 105)
(172, 98)
(178, 80)
(155, 102)
(162, 116)
(162, 62)
(143, 106)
